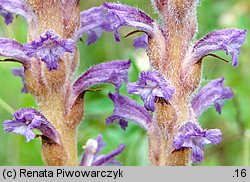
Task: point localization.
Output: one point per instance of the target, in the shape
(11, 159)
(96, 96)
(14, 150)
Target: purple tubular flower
(91, 155)
(13, 49)
(49, 48)
(109, 158)
(8, 17)
(230, 40)
(129, 16)
(27, 119)
(18, 7)
(20, 72)
(213, 93)
(149, 86)
(115, 72)
(191, 135)
(128, 109)
(141, 42)
(93, 23)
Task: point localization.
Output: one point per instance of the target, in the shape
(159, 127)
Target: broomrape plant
(173, 99)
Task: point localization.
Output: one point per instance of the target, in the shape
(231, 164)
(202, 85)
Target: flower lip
(149, 86)
(94, 22)
(114, 72)
(230, 40)
(18, 7)
(14, 50)
(128, 109)
(213, 93)
(129, 16)
(191, 135)
(27, 119)
(50, 47)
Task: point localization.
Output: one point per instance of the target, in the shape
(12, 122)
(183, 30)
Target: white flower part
(91, 150)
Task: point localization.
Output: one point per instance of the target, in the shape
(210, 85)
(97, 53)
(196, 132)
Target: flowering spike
(213, 93)
(230, 40)
(149, 86)
(50, 48)
(25, 120)
(191, 135)
(93, 148)
(20, 72)
(93, 23)
(18, 7)
(128, 109)
(129, 16)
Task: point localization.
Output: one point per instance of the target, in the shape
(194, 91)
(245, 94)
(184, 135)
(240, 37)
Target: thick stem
(180, 28)
(52, 107)
(50, 87)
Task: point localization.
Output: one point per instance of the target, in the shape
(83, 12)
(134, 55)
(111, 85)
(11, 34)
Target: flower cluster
(154, 84)
(48, 63)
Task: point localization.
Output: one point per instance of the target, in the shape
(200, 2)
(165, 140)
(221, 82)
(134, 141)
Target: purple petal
(149, 86)
(8, 18)
(230, 40)
(129, 16)
(50, 48)
(213, 93)
(141, 42)
(18, 7)
(109, 158)
(128, 109)
(27, 119)
(19, 128)
(114, 72)
(13, 49)
(213, 136)
(191, 135)
(100, 144)
(93, 22)
(20, 72)
(114, 162)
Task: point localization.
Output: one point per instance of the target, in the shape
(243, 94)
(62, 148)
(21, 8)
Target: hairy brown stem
(167, 58)
(50, 87)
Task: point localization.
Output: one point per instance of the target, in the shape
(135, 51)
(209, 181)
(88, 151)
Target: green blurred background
(234, 121)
